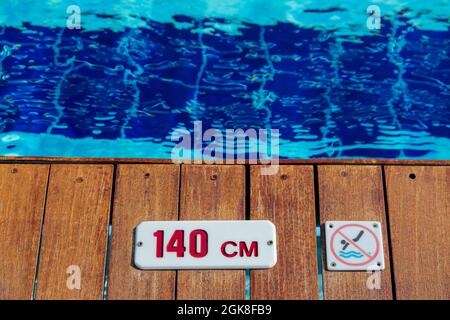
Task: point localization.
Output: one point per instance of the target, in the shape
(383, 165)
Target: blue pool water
(137, 70)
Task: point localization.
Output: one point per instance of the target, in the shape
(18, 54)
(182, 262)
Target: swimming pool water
(138, 70)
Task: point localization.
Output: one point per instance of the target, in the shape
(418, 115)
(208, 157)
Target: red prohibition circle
(377, 249)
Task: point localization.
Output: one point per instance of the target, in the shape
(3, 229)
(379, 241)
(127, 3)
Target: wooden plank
(287, 199)
(353, 193)
(419, 215)
(212, 192)
(143, 192)
(22, 199)
(75, 231)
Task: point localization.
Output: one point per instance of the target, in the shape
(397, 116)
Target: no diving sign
(354, 245)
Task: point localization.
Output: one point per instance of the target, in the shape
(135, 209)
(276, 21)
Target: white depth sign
(205, 245)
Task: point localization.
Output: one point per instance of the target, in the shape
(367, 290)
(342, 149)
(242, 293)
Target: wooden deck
(56, 213)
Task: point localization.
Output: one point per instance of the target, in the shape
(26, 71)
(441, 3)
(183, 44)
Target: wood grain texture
(22, 200)
(419, 215)
(143, 193)
(287, 199)
(75, 231)
(210, 192)
(353, 193)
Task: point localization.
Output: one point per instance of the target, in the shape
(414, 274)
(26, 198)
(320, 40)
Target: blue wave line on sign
(350, 254)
